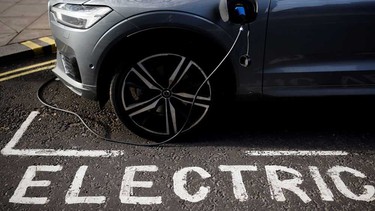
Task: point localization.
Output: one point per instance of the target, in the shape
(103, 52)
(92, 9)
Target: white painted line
(296, 153)
(9, 148)
(12, 143)
(64, 153)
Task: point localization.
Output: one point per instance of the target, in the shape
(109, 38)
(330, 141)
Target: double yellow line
(27, 70)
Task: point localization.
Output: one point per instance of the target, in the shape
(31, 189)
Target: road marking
(9, 148)
(29, 182)
(64, 153)
(296, 153)
(286, 184)
(28, 70)
(33, 46)
(72, 196)
(28, 67)
(12, 143)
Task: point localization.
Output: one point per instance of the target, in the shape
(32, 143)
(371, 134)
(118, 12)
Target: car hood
(128, 8)
(53, 2)
(141, 3)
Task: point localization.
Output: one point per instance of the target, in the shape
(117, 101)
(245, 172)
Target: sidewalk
(24, 29)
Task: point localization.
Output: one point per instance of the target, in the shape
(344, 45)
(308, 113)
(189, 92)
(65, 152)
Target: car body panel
(78, 43)
(297, 47)
(317, 47)
(205, 20)
(132, 17)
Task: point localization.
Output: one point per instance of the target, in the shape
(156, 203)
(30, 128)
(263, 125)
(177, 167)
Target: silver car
(166, 64)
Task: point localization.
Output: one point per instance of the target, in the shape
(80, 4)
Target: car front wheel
(153, 95)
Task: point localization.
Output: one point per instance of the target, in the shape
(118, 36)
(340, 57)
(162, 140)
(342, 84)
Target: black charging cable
(39, 94)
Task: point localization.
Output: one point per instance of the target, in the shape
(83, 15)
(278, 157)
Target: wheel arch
(128, 35)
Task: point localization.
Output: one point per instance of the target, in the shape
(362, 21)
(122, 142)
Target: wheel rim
(157, 94)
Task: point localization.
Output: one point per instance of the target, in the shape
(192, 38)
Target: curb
(28, 49)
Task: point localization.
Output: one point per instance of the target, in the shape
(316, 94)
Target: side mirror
(238, 11)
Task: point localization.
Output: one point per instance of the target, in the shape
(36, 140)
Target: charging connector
(245, 60)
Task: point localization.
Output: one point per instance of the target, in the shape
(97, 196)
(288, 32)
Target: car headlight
(79, 16)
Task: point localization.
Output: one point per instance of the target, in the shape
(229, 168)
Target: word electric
(280, 179)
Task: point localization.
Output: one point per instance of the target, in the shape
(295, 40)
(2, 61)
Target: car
(165, 65)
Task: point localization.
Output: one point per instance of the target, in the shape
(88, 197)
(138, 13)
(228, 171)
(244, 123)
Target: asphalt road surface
(270, 154)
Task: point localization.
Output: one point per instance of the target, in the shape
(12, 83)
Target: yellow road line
(33, 46)
(28, 67)
(28, 72)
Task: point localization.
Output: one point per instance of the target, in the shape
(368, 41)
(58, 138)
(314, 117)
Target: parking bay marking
(276, 184)
(10, 150)
(296, 153)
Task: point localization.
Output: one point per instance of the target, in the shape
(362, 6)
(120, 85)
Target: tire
(152, 93)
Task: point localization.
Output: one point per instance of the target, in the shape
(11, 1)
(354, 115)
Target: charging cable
(131, 143)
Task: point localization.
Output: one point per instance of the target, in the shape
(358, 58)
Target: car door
(320, 47)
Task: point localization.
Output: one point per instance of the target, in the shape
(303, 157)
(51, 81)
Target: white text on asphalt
(27, 181)
(128, 184)
(72, 196)
(277, 186)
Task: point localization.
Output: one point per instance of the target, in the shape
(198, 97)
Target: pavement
(24, 29)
